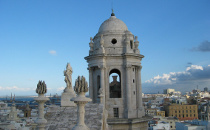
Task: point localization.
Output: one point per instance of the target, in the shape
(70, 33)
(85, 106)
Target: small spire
(112, 13)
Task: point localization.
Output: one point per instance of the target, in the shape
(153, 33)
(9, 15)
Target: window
(114, 41)
(116, 112)
(131, 44)
(98, 84)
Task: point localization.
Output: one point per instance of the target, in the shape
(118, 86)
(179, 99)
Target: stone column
(41, 99)
(91, 83)
(128, 91)
(81, 87)
(101, 96)
(102, 68)
(127, 44)
(140, 107)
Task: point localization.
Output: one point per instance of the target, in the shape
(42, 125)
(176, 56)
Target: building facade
(182, 112)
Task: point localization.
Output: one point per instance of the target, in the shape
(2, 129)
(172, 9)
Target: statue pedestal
(65, 99)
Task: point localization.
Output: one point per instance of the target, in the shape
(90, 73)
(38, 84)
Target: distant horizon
(87, 94)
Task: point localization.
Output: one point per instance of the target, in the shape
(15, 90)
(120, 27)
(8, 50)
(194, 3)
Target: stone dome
(113, 24)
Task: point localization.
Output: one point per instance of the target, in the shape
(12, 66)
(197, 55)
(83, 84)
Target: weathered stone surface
(65, 118)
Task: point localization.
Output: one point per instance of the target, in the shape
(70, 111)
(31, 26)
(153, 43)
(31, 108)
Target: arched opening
(114, 84)
(98, 84)
(131, 44)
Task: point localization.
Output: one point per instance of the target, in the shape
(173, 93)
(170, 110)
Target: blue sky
(38, 38)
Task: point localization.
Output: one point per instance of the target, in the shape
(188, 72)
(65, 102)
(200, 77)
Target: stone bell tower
(114, 64)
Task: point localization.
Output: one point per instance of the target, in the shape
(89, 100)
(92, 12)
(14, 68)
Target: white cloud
(192, 76)
(60, 89)
(52, 52)
(194, 67)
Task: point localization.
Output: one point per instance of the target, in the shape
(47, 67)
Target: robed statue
(68, 91)
(68, 79)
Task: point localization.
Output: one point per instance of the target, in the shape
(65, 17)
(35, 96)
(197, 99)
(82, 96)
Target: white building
(161, 125)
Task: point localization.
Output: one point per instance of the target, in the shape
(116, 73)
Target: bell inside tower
(115, 84)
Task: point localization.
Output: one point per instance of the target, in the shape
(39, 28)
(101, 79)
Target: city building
(182, 112)
(160, 113)
(168, 91)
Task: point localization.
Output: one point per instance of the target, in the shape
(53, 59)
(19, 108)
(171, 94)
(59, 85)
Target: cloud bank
(188, 79)
(203, 47)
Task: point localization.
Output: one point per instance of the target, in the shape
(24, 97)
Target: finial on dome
(112, 13)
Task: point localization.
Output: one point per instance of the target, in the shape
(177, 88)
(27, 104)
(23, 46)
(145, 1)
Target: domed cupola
(113, 24)
(113, 38)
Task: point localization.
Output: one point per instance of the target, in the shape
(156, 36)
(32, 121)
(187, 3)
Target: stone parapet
(65, 118)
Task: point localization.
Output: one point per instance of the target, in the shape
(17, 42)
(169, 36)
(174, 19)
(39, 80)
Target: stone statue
(68, 91)
(136, 43)
(136, 38)
(68, 79)
(102, 41)
(41, 87)
(101, 48)
(91, 44)
(100, 91)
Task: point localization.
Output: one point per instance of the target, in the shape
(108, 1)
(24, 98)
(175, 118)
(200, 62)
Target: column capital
(128, 66)
(101, 66)
(139, 67)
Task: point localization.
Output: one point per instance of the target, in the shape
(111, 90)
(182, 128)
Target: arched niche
(115, 84)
